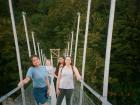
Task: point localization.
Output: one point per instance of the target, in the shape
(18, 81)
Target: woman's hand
(58, 92)
(79, 77)
(48, 92)
(54, 75)
(25, 81)
(20, 84)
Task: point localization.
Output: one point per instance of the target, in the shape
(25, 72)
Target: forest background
(53, 20)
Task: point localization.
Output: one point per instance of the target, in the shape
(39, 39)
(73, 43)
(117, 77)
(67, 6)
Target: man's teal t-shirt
(38, 76)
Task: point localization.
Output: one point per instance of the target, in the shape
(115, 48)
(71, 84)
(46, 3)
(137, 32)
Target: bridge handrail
(9, 94)
(88, 87)
(100, 97)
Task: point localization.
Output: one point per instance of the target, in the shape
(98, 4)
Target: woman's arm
(58, 82)
(23, 82)
(48, 85)
(55, 73)
(78, 76)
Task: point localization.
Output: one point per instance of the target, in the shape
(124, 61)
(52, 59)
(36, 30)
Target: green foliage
(53, 20)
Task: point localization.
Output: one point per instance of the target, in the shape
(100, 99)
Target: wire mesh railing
(96, 98)
(86, 99)
(28, 97)
(8, 94)
(76, 97)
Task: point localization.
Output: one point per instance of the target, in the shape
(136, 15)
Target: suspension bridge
(79, 97)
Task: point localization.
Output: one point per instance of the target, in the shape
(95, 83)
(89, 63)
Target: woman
(65, 83)
(50, 69)
(60, 64)
(41, 86)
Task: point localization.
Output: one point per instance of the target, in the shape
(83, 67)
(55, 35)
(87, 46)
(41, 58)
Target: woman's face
(48, 62)
(61, 60)
(68, 60)
(35, 61)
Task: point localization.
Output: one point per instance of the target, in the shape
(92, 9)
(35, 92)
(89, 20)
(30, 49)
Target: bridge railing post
(108, 49)
(26, 33)
(17, 49)
(85, 46)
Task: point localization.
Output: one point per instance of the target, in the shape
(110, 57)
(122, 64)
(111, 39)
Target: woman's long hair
(58, 65)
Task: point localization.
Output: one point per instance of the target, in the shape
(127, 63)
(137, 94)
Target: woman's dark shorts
(40, 95)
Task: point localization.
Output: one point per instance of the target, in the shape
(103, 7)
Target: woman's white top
(50, 70)
(66, 80)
